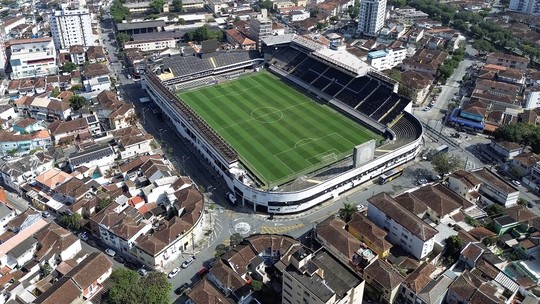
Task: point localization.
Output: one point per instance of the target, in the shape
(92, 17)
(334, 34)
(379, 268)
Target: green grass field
(278, 132)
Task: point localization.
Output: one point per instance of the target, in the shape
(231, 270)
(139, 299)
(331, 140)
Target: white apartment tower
(71, 27)
(260, 27)
(371, 16)
(531, 7)
(33, 57)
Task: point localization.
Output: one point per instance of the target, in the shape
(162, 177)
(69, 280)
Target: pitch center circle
(267, 114)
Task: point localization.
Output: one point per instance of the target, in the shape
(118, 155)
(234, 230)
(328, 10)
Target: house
(205, 292)
(417, 84)
(93, 156)
(465, 184)
(386, 59)
(27, 126)
(523, 163)
(132, 142)
(507, 60)
(404, 228)
(498, 87)
(383, 280)
(32, 57)
(151, 44)
(15, 173)
(239, 41)
(336, 239)
(72, 190)
(95, 54)
(96, 78)
(7, 213)
(122, 117)
(7, 112)
(495, 189)
(43, 108)
(66, 131)
(415, 282)
(24, 143)
(56, 244)
(426, 61)
(77, 54)
(505, 149)
(81, 283)
(370, 234)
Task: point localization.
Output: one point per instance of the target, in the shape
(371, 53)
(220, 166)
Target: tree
(73, 221)
(178, 6)
(77, 102)
(444, 163)
(104, 202)
(495, 209)
(69, 67)
(236, 239)
(118, 11)
(256, 285)
(55, 92)
(267, 4)
(220, 250)
(347, 211)
(157, 5)
(129, 288)
(320, 26)
(46, 269)
(454, 245)
(123, 37)
(172, 16)
(483, 45)
(181, 21)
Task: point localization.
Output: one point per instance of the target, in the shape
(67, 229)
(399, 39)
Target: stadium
(289, 130)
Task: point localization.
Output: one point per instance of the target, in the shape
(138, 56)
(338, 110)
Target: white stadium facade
(329, 74)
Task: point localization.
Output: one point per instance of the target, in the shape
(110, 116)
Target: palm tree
(347, 211)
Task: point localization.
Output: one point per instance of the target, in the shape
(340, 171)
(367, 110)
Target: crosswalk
(280, 229)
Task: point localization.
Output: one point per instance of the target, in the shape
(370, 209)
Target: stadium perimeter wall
(279, 201)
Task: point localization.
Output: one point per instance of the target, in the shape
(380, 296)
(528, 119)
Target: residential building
(95, 54)
(465, 184)
(16, 173)
(417, 84)
(96, 78)
(370, 234)
(81, 283)
(523, 163)
(495, 189)
(77, 54)
(260, 27)
(24, 143)
(149, 45)
(6, 215)
(56, 244)
(531, 7)
(43, 108)
(498, 87)
(132, 142)
(371, 17)
(383, 280)
(506, 149)
(32, 57)
(415, 282)
(507, 60)
(71, 27)
(205, 292)
(7, 112)
(407, 15)
(387, 58)
(318, 277)
(332, 235)
(532, 100)
(238, 41)
(404, 228)
(93, 156)
(426, 61)
(63, 131)
(122, 117)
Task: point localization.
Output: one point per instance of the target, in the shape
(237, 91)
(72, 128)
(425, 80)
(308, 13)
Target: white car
(110, 252)
(360, 207)
(232, 198)
(45, 214)
(173, 272)
(188, 262)
(83, 236)
(142, 272)
(516, 183)
(426, 109)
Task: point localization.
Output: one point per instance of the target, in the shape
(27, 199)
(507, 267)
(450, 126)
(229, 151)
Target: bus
(390, 175)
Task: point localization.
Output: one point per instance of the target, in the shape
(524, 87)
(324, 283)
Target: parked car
(422, 181)
(360, 207)
(110, 252)
(516, 183)
(426, 109)
(232, 198)
(45, 214)
(173, 273)
(188, 262)
(142, 272)
(83, 236)
(182, 289)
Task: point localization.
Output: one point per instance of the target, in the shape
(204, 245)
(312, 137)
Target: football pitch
(278, 133)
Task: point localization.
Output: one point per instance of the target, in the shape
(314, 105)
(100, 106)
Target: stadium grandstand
(331, 76)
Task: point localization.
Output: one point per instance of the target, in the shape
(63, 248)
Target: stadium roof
(343, 59)
(189, 65)
(279, 39)
(140, 25)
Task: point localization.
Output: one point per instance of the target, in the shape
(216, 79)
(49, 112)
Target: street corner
(280, 229)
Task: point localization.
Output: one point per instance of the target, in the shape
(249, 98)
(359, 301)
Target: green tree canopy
(130, 288)
(347, 211)
(69, 67)
(495, 209)
(55, 92)
(178, 6)
(483, 45)
(444, 163)
(73, 221)
(118, 11)
(267, 4)
(203, 33)
(157, 5)
(77, 102)
(454, 245)
(123, 37)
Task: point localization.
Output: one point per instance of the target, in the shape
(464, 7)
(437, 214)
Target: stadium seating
(402, 103)
(309, 76)
(340, 77)
(333, 88)
(348, 97)
(321, 83)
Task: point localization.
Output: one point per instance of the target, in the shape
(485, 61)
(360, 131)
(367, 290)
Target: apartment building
(33, 57)
(371, 17)
(407, 15)
(531, 7)
(151, 44)
(320, 278)
(71, 27)
(260, 27)
(404, 228)
(507, 60)
(386, 59)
